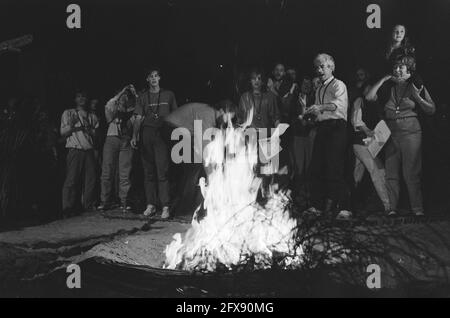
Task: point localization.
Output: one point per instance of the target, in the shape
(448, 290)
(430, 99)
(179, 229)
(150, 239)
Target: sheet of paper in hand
(376, 143)
(269, 151)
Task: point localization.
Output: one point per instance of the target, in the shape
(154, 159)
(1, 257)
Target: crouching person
(117, 150)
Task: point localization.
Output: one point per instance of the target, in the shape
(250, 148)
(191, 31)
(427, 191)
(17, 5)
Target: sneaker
(312, 210)
(125, 207)
(165, 213)
(392, 213)
(344, 215)
(150, 211)
(102, 207)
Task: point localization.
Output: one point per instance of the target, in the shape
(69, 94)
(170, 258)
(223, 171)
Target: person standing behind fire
(79, 127)
(286, 92)
(263, 105)
(330, 144)
(152, 106)
(283, 88)
(117, 150)
(263, 102)
(402, 101)
(303, 131)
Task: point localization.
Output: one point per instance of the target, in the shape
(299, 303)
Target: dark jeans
(80, 165)
(189, 194)
(328, 162)
(155, 160)
(117, 154)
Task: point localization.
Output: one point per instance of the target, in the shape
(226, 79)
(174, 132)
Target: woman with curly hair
(403, 98)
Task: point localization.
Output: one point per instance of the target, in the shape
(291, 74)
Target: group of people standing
(319, 111)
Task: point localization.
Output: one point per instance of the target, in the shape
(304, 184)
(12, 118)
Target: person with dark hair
(117, 150)
(399, 44)
(402, 100)
(364, 118)
(285, 89)
(152, 106)
(262, 103)
(79, 126)
(330, 144)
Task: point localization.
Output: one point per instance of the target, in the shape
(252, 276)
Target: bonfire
(232, 229)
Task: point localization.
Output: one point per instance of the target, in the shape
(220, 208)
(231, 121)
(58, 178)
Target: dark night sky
(190, 39)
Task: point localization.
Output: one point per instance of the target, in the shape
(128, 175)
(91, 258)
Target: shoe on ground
(103, 207)
(165, 213)
(125, 207)
(344, 215)
(392, 214)
(150, 210)
(313, 211)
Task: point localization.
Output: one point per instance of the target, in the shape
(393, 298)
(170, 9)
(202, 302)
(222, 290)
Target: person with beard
(286, 92)
(284, 89)
(402, 100)
(152, 106)
(330, 145)
(361, 79)
(79, 127)
(117, 150)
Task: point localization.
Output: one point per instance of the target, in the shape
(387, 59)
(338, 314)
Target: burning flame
(236, 229)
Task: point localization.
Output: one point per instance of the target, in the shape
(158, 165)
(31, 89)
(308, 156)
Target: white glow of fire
(235, 227)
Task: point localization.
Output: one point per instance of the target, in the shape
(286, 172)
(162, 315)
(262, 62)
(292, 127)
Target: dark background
(191, 39)
(209, 41)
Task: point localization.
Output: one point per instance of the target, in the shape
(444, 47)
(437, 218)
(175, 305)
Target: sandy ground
(419, 250)
(144, 248)
(69, 231)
